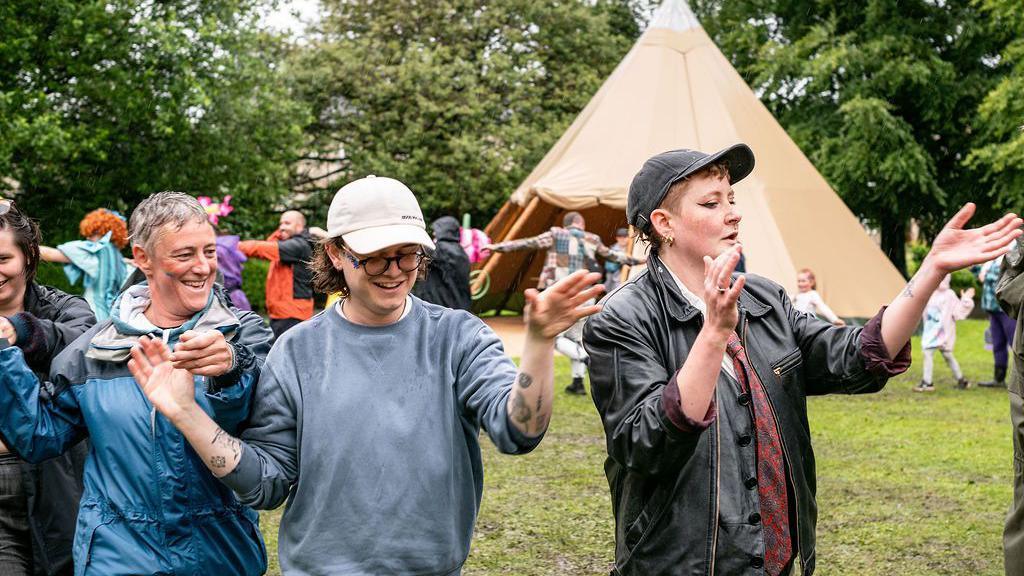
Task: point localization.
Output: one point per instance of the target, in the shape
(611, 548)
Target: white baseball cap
(373, 213)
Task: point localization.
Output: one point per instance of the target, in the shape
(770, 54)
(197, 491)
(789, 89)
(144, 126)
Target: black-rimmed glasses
(377, 265)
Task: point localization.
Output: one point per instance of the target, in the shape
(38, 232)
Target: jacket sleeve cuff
(874, 353)
(239, 362)
(247, 475)
(674, 411)
(31, 336)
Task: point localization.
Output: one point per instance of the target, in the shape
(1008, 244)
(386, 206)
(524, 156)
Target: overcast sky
(293, 14)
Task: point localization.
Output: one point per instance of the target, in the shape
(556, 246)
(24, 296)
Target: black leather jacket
(54, 487)
(683, 498)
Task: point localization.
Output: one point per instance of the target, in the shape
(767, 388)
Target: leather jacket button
(750, 483)
(744, 440)
(744, 399)
(754, 518)
(757, 562)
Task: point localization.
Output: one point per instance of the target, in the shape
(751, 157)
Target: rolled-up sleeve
(674, 410)
(268, 465)
(875, 353)
(484, 382)
(635, 396)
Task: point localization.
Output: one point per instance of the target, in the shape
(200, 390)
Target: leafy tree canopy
(882, 95)
(104, 102)
(458, 98)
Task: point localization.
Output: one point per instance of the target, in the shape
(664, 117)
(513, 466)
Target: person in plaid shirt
(570, 248)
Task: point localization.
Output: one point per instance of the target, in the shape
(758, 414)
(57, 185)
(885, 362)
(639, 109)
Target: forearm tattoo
(521, 411)
(524, 380)
(542, 418)
(225, 440)
(908, 292)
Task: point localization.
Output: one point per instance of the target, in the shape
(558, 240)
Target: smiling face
(375, 300)
(12, 273)
(700, 216)
(804, 282)
(181, 267)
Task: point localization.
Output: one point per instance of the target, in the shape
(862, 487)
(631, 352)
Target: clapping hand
(171, 390)
(203, 353)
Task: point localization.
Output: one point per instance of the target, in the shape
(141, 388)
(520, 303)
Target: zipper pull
(778, 371)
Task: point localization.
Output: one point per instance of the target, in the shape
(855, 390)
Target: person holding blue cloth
(96, 260)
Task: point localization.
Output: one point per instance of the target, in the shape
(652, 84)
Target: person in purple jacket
(230, 260)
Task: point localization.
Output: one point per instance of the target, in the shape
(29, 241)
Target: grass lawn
(907, 483)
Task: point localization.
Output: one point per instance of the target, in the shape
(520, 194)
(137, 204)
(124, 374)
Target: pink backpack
(473, 241)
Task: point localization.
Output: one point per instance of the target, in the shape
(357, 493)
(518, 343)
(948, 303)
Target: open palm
(169, 389)
(956, 247)
(559, 307)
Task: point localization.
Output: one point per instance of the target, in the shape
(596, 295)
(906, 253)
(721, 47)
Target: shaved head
(292, 223)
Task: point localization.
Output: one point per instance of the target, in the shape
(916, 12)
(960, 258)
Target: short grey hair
(160, 209)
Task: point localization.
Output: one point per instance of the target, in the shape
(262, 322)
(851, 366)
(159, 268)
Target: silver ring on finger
(720, 289)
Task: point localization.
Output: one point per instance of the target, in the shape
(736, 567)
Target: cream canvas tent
(675, 89)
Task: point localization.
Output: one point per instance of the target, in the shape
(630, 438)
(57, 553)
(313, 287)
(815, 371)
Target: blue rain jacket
(150, 506)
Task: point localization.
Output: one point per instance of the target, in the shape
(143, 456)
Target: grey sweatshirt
(371, 433)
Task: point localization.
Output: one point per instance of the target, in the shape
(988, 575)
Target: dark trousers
(281, 325)
(15, 540)
(1001, 327)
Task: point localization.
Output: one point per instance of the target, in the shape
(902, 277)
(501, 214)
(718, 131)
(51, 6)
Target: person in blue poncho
(96, 260)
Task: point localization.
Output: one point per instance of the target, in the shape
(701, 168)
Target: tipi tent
(675, 89)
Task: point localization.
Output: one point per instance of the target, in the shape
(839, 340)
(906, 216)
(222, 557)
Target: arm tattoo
(524, 380)
(908, 292)
(225, 440)
(218, 462)
(542, 418)
(521, 412)
(542, 422)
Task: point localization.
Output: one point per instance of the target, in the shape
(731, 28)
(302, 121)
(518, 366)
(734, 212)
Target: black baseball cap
(659, 173)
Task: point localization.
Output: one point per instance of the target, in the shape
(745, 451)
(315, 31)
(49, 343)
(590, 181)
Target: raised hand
(203, 353)
(170, 390)
(956, 247)
(554, 310)
(719, 296)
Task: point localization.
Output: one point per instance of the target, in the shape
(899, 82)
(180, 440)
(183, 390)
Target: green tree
(103, 102)
(880, 94)
(999, 152)
(457, 98)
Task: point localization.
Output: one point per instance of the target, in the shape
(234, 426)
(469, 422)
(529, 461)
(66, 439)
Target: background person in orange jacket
(289, 281)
